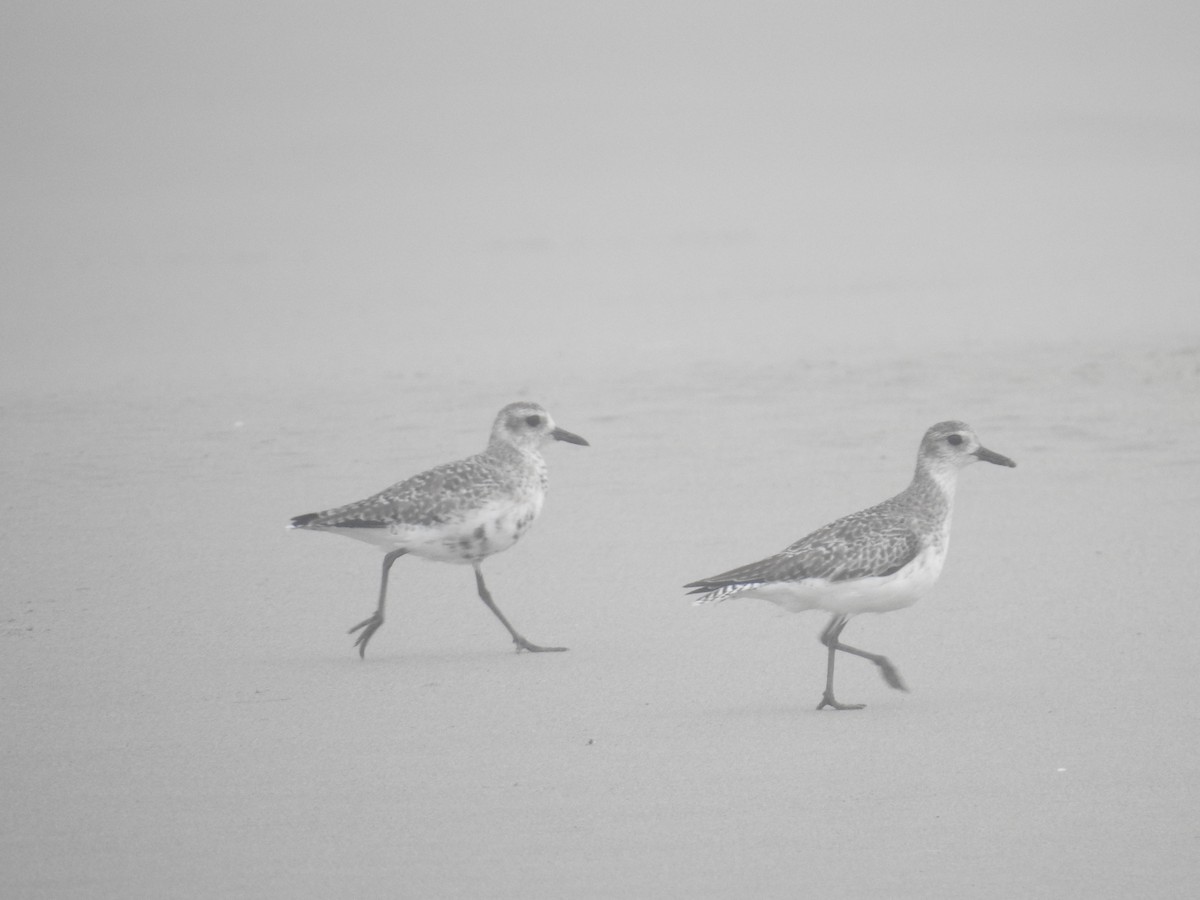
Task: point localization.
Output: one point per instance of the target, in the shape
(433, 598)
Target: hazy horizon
(430, 186)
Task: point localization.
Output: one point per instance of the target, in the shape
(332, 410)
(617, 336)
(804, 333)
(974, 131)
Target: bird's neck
(940, 479)
(525, 458)
(932, 491)
(501, 449)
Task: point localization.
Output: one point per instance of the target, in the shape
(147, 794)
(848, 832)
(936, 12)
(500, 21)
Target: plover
(459, 512)
(875, 560)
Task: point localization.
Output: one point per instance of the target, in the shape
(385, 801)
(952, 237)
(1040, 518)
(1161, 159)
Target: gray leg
(375, 622)
(829, 637)
(521, 643)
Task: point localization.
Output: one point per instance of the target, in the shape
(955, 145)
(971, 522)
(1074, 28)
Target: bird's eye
(533, 421)
(954, 439)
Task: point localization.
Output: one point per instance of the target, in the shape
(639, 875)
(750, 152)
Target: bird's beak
(561, 434)
(987, 455)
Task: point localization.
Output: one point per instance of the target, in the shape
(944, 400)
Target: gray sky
(264, 186)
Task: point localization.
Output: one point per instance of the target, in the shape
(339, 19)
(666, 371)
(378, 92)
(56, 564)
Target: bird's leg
(521, 643)
(886, 669)
(375, 622)
(829, 637)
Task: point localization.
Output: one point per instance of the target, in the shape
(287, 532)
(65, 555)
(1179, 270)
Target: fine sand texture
(186, 716)
(265, 259)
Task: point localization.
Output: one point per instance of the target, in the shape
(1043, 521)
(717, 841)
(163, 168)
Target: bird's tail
(710, 593)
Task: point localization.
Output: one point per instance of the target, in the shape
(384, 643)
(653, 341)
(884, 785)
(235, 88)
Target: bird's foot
(890, 675)
(827, 700)
(369, 627)
(523, 644)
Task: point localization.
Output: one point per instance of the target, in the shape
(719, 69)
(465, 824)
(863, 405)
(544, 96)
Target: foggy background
(287, 190)
(264, 258)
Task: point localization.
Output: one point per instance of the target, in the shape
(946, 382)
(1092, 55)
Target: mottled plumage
(875, 560)
(458, 512)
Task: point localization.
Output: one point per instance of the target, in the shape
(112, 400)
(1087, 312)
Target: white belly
(861, 595)
(479, 534)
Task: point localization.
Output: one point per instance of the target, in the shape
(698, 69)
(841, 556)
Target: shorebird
(458, 512)
(876, 560)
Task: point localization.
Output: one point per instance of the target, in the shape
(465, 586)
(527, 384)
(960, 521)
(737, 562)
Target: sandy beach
(234, 296)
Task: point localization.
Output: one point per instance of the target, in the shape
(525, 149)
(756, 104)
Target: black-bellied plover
(459, 512)
(875, 560)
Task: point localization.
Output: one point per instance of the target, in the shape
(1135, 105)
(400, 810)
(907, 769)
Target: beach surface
(260, 266)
